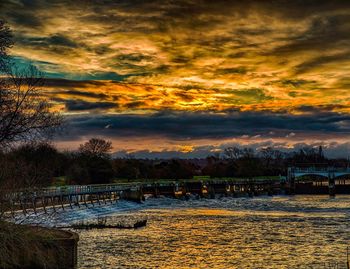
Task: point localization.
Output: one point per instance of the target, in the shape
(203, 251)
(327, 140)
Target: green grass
(204, 179)
(59, 181)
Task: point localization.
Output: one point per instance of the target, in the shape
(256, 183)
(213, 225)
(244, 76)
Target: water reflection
(279, 232)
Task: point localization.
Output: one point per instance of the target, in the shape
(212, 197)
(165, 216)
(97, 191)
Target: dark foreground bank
(28, 247)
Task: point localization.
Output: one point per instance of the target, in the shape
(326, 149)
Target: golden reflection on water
(297, 232)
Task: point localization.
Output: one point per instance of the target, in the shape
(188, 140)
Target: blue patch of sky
(49, 71)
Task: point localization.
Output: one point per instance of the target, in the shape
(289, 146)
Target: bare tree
(6, 42)
(96, 147)
(25, 114)
(267, 155)
(233, 153)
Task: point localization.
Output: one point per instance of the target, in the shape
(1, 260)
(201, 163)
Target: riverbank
(34, 247)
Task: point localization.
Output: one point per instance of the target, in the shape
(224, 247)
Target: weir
(60, 198)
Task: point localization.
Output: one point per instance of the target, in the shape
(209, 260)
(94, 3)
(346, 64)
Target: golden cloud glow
(214, 57)
(141, 98)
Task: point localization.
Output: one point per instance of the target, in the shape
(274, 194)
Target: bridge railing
(68, 190)
(30, 193)
(318, 169)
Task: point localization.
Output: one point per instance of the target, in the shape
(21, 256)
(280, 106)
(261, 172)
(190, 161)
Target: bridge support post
(211, 191)
(84, 198)
(34, 204)
(118, 195)
(12, 210)
(98, 199)
(234, 189)
(178, 190)
(53, 203)
(77, 201)
(270, 189)
(70, 201)
(22, 203)
(228, 190)
(43, 201)
(156, 190)
(61, 199)
(109, 197)
(250, 190)
(331, 185)
(291, 181)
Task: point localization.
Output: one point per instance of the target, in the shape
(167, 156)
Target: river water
(260, 232)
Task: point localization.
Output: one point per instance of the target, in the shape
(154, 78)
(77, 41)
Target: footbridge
(329, 174)
(73, 196)
(68, 196)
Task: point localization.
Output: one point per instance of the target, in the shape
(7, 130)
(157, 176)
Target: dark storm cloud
(132, 57)
(206, 125)
(320, 61)
(80, 105)
(296, 82)
(233, 70)
(135, 104)
(184, 96)
(24, 18)
(75, 93)
(323, 32)
(316, 110)
(256, 95)
(53, 40)
(65, 83)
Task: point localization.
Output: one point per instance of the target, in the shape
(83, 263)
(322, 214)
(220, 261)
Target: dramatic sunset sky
(188, 78)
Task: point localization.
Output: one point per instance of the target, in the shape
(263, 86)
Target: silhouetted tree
(308, 155)
(268, 160)
(232, 153)
(30, 165)
(96, 147)
(6, 42)
(25, 114)
(92, 163)
(100, 170)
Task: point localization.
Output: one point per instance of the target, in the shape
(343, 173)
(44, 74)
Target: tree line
(42, 164)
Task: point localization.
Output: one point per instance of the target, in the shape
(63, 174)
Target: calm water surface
(266, 232)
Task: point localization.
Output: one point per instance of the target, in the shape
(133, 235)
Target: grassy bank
(61, 181)
(203, 179)
(31, 247)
